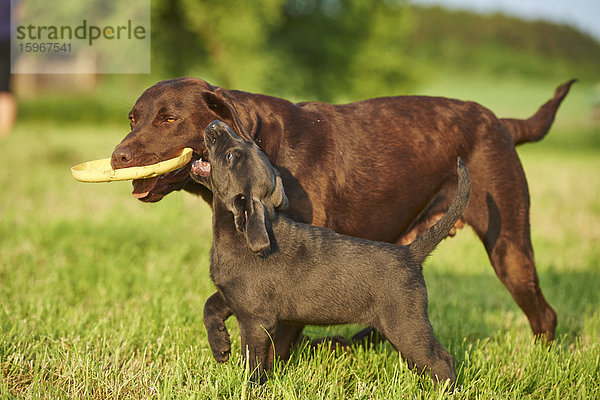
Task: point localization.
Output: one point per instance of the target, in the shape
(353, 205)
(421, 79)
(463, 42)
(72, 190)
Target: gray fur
(271, 270)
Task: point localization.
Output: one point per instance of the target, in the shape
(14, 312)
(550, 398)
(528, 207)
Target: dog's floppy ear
(249, 217)
(279, 199)
(223, 106)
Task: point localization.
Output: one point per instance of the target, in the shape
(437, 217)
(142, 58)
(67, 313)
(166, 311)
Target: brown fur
(379, 169)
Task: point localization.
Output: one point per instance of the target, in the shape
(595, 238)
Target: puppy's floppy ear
(239, 213)
(249, 218)
(279, 199)
(257, 236)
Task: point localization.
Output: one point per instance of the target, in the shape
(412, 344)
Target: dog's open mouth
(142, 187)
(151, 189)
(155, 188)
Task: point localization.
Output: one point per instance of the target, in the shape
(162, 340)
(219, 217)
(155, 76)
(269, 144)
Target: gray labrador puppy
(269, 269)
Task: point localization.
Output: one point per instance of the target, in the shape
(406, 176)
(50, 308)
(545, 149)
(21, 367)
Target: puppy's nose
(121, 158)
(213, 130)
(214, 126)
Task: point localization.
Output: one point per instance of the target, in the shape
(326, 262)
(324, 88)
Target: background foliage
(339, 49)
(101, 295)
(331, 50)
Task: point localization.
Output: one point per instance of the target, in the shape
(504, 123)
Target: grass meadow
(101, 296)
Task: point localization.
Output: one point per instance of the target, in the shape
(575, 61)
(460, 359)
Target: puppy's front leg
(255, 347)
(216, 312)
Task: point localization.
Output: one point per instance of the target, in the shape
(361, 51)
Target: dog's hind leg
(514, 265)
(499, 214)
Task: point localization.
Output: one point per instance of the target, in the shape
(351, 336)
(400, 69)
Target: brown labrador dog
(379, 169)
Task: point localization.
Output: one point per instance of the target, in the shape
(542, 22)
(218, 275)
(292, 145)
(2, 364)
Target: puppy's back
(338, 278)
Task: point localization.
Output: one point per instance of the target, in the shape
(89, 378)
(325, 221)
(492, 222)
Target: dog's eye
(229, 157)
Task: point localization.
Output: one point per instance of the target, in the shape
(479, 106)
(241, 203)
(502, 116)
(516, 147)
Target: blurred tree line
(328, 50)
(352, 49)
(499, 45)
(315, 49)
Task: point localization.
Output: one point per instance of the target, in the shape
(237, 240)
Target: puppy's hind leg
(285, 336)
(406, 325)
(422, 351)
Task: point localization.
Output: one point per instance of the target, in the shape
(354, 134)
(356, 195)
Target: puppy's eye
(229, 157)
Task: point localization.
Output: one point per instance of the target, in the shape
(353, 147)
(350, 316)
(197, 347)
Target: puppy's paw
(332, 342)
(368, 337)
(221, 355)
(220, 343)
(258, 378)
(221, 348)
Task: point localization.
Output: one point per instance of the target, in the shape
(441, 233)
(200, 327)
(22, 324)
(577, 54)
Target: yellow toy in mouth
(101, 170)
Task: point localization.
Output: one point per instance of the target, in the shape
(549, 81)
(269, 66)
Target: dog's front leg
(256, 342)
(216, 312)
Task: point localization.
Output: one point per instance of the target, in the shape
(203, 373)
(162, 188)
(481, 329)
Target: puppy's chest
(230, 263)
(238, 277)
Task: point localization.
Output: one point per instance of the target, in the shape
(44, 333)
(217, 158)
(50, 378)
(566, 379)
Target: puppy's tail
(536, 127)
(424, 244)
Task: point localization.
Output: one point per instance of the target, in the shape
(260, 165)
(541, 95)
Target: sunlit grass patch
(101, 296)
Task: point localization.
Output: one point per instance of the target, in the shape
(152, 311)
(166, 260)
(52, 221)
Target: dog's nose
(121, 158)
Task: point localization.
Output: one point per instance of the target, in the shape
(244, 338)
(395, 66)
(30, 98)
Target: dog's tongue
(141, 187)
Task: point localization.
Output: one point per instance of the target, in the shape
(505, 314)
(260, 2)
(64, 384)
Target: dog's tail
(536, 127)
(424, 244)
